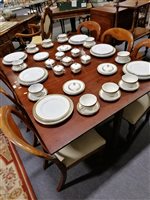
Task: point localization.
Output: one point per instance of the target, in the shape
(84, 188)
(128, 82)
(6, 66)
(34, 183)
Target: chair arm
(34, 27)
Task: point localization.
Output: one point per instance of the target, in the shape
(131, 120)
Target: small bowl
(88, 100)
(75, 52)
(110, 88)
(123, 56)
(129, 80)
(58, 69)
(59, 55)
(76, 67)
(36, 89)
(49, 63)
(62, 37)
(85, 59)
(67, 60)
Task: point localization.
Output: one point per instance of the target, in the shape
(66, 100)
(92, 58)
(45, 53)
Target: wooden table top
(55, 137)
(132, 3)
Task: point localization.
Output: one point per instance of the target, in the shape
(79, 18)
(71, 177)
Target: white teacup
(129, 80)
(36, 89)
(75, 52)
(46, 42)
(50, 63)
(67, 60)
(123, 56)
(110, 88)
(62, 37)
(17, 63)
(30, 47)
(58, 69)
(59, 55)
(85, 59)
(88, 100)
(76, 67)
(89, 42)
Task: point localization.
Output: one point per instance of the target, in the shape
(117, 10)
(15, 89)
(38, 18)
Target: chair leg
(130, 133)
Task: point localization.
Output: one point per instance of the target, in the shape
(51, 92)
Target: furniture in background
(65, 158)
(92, 27)
(119, 34)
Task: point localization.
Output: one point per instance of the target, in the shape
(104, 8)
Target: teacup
(67, 60)
(75, 52)
(59, 55)
(85, 59)
(50, 63)
(110, 88)
(123, 56)
(36, 89)
(46, 42)
(17, 64)
(88, 100)
(58, 69)
(76, 67)
(89, 42)
(62, 37)
(129, 80)
(30, 47)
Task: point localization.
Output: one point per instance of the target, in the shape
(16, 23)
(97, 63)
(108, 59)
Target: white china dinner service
(129, 82)
(18, 65)
(102, 50)
(88, 104)
(73, 87)
(9, 58)
(139, 68)
(41, 56)
(32, 75)
(53, 109)
(36, 91)
(107, 68)
(77, 39)
(123, 57)
(110, 91)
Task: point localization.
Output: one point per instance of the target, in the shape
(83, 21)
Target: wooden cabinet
(106, 16)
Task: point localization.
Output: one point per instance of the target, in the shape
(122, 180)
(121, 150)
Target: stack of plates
(138, 68)
(8, 59)
(32, 75)
(53, 109)
(78, 39)
(102, 50)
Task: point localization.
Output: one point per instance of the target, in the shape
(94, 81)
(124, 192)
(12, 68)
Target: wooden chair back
(94, 29)
(119, 34)
(46, 23)
(135, 53)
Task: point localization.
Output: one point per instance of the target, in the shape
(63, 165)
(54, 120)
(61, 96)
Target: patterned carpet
(13, 178)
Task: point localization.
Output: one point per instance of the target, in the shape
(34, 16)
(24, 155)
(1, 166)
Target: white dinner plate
(139, 77)
(73, 87)
(64, 47)
(103, 55)
(10, 63)
(139, 68)
(124, 87)
(78, 39)
(102, 49)
(106, 97)
(107, 68)
(41, 56)
(91, 110)
(14, 56)
(53, 109)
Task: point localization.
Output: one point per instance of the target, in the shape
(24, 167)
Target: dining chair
(65, 158)
(38, 32)
(136, 54)
(119, 34)
(92, 28)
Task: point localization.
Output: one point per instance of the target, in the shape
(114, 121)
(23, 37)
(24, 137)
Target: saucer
(62, 41)
(88, 110)
(33, 97)
(34, 51)
(122, 62)
(105, 97)
(124, 87)
(107, 68)
(48, 46)
(19, 69)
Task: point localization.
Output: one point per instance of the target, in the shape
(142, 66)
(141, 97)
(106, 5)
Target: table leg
(73, 24)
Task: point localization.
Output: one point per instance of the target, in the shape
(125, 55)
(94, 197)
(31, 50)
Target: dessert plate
(14, 56)
(124, 87)
(53, 109)
(78, 39)
(73, 87)
(107, 68)
(19, 69)
(106, 97)
(91, 110)
(10, 63)
(64, 48)
(33, 97)
(41, 56)
(139, 68)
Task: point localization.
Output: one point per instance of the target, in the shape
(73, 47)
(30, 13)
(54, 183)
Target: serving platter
(41, 56)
